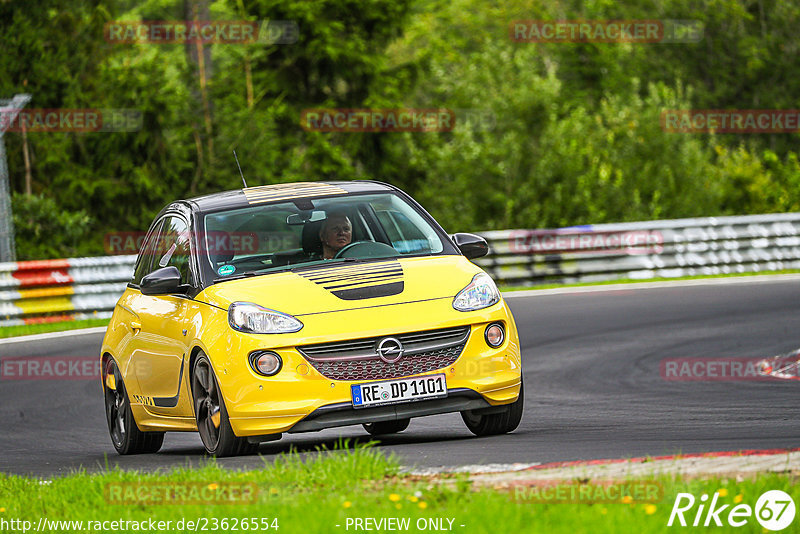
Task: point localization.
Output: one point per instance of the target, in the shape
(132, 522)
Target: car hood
(344, 286)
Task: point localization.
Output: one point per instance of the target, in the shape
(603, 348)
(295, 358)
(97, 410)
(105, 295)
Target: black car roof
(283, 192)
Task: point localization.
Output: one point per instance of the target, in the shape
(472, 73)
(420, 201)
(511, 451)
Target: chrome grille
(358, 359)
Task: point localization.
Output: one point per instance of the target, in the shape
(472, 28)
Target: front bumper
(334, 415)
(300, 399)
(343, 414)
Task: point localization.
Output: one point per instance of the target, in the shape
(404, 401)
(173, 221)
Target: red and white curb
(742, 462)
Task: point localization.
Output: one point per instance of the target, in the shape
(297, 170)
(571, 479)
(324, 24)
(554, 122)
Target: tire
(386, 427)
(211, 415)
(496, 423)
(125, 434)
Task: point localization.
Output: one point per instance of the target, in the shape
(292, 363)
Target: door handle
(136, 326)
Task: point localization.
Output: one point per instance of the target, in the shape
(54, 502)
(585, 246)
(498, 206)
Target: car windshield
(275, 237)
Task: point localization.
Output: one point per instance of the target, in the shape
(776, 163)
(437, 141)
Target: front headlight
(254, 319)
(480, 293)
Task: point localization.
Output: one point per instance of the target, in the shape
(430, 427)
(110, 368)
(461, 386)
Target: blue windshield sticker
(225, 270)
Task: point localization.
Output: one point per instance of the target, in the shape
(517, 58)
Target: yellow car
(304, 306)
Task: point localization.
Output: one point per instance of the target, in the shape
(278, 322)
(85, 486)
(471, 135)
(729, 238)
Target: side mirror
(472, 246)
(162, 281)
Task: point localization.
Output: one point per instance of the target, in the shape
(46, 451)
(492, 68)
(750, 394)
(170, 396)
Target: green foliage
(44, 230)
(574, 135)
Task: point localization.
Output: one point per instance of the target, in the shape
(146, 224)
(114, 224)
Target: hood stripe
(369, 292)
(347, 269)
(356, 282)
(364, 279)
(364, 283)
(393, 272)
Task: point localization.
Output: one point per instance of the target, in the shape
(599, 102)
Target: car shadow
(294, 443)
(185, 455)
(308, 444)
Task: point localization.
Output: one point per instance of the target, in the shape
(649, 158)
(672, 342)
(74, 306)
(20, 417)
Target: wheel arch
(104, 357)
(193, 354)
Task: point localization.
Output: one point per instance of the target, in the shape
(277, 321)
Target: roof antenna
(240, 168)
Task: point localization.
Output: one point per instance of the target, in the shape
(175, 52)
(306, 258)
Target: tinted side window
(173, 247)
(146, 254)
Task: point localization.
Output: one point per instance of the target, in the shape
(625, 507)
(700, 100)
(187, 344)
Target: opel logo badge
(390, 350)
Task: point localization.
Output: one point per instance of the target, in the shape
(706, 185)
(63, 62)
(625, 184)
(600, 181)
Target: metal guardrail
(644, 250)
(38, 291)
(54, 290)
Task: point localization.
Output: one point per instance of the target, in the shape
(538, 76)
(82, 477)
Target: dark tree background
(574, 135)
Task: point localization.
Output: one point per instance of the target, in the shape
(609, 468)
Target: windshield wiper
(239, 276)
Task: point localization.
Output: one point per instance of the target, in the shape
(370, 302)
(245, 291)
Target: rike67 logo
(774, 510)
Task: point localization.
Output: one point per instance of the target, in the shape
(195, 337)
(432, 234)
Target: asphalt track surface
(592, 379)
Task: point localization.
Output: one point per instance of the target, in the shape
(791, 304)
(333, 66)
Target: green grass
(506, 288)
(28, 329)
(319, 492)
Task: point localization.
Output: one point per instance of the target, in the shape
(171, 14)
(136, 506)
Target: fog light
(495, 335)
(265, 362)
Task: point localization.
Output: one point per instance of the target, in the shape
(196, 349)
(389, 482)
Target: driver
(335, 234)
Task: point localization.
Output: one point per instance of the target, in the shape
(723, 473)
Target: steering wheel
(366, 249)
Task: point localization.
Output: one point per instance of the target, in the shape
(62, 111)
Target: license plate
(400, 390)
